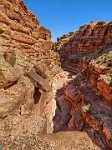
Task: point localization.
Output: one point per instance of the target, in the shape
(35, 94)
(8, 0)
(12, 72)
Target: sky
(63, 16)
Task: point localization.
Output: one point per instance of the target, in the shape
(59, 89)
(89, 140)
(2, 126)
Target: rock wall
(27, 100)
(89, 38)
(27, 62)
(87, 53)
(32, 83)
(20, 31)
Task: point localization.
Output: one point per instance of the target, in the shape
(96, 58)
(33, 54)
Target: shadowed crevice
(37, 95)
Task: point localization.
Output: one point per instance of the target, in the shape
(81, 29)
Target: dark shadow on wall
(62, 113)
(37, 95)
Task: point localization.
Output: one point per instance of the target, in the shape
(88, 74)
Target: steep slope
(28, 69)
(38, 97)
(20, 30)
(88, 97)
(89, 38)
(27, 62)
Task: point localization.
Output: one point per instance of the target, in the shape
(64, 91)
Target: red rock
(89, 52)
(33, 99)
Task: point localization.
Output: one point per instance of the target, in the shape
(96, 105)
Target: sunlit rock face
(20, 31)
(38, 98)
(27, 64)
(88, 53)
(89, 38)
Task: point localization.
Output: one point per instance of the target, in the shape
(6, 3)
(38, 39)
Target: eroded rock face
(27, 67)
(89, 38)
(87, 53)
(20, 30)
(37, 97)
(24, 46)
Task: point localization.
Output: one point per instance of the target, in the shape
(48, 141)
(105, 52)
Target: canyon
(53, 95)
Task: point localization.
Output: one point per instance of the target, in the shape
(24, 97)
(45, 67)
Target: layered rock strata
(89, 95)
(89, 38)
(27, 62)
(20, 31)
(27, 67)
(37, 97)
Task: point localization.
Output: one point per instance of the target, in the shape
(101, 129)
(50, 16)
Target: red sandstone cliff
(27, 67)
(88, 53)
(27, 62)
(38, 97)
(89, 38)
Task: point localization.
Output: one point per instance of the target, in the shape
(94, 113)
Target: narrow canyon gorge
(53, 95)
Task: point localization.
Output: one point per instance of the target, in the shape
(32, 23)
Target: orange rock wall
(20, 29)
(87, 39)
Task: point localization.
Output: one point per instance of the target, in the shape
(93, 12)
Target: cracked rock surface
(53, 96)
